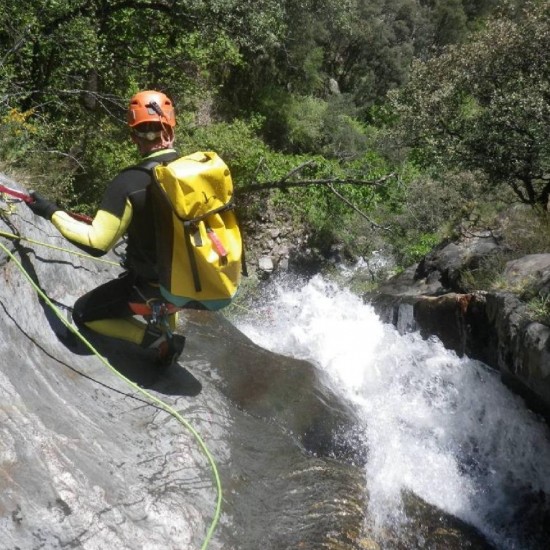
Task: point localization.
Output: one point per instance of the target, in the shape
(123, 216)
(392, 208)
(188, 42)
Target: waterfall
(442, 427)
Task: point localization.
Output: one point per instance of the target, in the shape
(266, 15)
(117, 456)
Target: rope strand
(60, 248)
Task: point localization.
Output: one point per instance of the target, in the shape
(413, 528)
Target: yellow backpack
(199, 244)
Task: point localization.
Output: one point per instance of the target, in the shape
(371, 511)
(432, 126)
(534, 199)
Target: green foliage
(25, 154)
(422, 209)
(484, 105)
(338, 212)
(74, 65)
(365, 48)
(236, 142)
(103, 159)
(450, 21)
(316, 206)
(539, 308)
(17, 133)
(305, 123)
(345, 135)
(419, 248)
(526, 230)
(287, 90)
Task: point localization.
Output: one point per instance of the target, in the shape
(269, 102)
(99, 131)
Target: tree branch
(298, 169)
(283, 184)
(89, 8)
(353, 207)
(60, 153)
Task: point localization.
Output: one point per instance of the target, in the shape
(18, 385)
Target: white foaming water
(435, 424)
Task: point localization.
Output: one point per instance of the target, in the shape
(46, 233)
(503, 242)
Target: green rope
(60, 248)
(170, 410)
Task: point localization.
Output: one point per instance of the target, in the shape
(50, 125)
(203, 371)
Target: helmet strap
(167, 136)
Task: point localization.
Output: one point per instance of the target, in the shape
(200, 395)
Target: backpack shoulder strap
(147, 166)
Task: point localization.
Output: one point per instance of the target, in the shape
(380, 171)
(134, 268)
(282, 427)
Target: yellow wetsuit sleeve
(102, 234)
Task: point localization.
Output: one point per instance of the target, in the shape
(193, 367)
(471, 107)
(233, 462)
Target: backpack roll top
(196, 184)
(199, 244)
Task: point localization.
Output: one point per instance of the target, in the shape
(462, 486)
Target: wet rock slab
(87, 462)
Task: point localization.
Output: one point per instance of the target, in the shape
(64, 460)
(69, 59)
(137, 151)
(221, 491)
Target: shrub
(526, 230)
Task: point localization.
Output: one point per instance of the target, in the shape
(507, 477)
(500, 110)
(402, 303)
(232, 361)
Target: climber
(126, 209)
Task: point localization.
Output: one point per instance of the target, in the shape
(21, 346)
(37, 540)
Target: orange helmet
(151, 106)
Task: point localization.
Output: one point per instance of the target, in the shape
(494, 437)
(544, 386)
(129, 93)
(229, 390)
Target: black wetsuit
(127, 198)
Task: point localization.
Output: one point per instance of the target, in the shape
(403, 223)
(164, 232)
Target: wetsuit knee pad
(130, 330)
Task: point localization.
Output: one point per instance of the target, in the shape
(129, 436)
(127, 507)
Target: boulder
(494, 327)
(446, 263)
(532, 271)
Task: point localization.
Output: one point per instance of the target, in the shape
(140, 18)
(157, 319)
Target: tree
(69, 67)
(312, 70)
(485, 105)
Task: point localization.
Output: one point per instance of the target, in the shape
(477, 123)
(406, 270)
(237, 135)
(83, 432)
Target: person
(126, 209)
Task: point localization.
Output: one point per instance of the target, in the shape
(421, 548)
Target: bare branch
(297, 169)
(16, 47)
(283, 184)
(261, 163)
(61, 154)
(353, 207)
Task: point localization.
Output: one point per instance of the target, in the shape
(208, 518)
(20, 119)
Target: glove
(42, 206)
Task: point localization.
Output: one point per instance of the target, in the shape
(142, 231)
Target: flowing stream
(442, 427)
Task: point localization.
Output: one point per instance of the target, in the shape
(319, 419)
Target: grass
(539, 308)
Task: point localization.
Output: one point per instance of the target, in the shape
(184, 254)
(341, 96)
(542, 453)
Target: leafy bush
(526, 230)
(17, 134)
(304, 119)
(25, 153)
(105, 150)
(423, 209)
(236, 142)
(483, 105)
